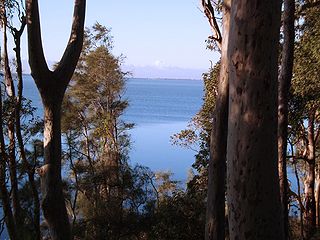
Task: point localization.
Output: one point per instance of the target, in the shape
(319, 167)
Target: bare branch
(210, 14)
(37, 61)
(72, 52)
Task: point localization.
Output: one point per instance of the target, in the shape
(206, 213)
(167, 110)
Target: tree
(215, 223)
(98, 146)
(15, 108)
(10, 91)
(253, 182)
(305, 106)
(196, 137)
(52, 86)
(283, 101)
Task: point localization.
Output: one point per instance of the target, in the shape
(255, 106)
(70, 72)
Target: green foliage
(305, 92)
(307, 58)
(187, 208)
(304, 105)
(197, 134)
(181, 216)
(111, 200)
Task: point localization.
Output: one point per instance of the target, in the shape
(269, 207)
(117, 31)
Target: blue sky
(157, 34)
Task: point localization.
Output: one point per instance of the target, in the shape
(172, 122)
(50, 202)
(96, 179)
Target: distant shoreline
(166, 79)
(151, 78)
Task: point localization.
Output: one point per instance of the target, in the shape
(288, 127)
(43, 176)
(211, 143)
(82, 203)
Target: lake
(159, 108)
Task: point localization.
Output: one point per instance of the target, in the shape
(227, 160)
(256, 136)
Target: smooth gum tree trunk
(215, 222)
(283, 99)
(310, 202)
(253, 193)
(53, 203)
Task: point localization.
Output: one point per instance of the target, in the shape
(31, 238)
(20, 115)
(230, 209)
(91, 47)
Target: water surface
(159, 108)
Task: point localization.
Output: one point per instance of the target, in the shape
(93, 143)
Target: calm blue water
(159, 108)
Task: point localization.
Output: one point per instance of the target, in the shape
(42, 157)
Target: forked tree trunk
(283, 99)
(215, 222)
(253, 182)
(52, 86)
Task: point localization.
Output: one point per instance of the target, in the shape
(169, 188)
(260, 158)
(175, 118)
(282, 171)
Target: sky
(164, 38)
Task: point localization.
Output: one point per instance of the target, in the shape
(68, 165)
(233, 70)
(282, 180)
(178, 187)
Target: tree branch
(209, 12)
(72, 52)
(307, 6)
(37, 61)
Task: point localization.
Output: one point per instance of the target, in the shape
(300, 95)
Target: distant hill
(164, 72)
(148, 71)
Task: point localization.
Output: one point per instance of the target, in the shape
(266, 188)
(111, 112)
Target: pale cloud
(159, 63)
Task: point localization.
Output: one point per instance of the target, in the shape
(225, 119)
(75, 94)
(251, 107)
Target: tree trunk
(283, 99)
(310, 205)
(317, 198)
(301, 207)
(30, 169)
(7, 211)
(215, 222)
(52, 86)
(253, 182)
(53, 203)
(11, 128)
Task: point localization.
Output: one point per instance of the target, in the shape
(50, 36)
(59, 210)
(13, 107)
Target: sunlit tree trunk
(52, 86)
(310, 204)
(215, 222)
(283, 99)
(253, 192)
(317, 197)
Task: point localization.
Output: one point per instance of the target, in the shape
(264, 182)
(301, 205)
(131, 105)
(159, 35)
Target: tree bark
(310, 205)
(30, 169)
(299, 198)
(5, 198)
(53, 203)
(215, 222)
(317, 197)
(7, 211)
(52, 86)
(253, 192)
(11, 157)
(11, 128)
(283, 99)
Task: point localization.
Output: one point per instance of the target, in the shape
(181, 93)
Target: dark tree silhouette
(52, 86)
